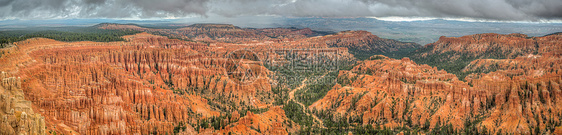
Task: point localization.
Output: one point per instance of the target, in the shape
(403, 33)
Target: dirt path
(292, 97)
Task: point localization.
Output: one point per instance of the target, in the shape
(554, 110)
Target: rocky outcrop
(16, 113)
(148, 84)
(400, 93)
(455, 54)
(154, 85)
(502, 46)
(272, 121)
(489, 45)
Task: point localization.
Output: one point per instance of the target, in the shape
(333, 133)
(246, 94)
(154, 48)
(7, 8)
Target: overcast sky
(502, 10)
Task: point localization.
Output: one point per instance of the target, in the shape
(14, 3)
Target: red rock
(386, 86)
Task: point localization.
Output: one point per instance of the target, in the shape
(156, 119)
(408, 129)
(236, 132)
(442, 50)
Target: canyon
(223, 79)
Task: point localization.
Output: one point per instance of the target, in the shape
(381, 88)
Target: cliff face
(491, 45)
(454, 54)
(151, 84)
(506, 46)
(532, 65)
(17, 114)
(395, 93)
(518, 95)
(148, 84)
(272, 121)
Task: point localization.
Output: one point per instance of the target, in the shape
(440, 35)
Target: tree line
(67, 35)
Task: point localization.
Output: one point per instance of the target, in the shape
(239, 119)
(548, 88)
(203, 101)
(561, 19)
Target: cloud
(478, 9)
(510, 10)
(50, 9)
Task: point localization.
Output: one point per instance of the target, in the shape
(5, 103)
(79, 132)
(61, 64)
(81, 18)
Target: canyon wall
(145, 85)
(151, 84)
(518, 95)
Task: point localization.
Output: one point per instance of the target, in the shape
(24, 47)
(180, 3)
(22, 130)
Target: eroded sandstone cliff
(145, 85)
(152, 84)
(519, 95)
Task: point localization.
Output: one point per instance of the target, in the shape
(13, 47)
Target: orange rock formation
(519, 95)
(119, 87)
(150, 84)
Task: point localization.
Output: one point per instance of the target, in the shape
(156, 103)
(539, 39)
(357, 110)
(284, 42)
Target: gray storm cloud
(511, 10)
